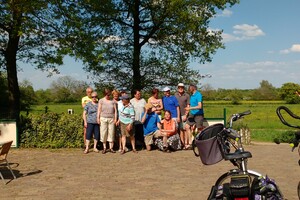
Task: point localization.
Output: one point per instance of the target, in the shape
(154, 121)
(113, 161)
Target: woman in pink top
(107, 117)
(156, 102)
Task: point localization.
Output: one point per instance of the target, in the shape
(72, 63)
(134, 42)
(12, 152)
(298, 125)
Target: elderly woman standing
(90, 122)
(107, 116)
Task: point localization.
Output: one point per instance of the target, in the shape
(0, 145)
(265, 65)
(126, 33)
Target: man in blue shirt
(196, 114)
(171, 104)
(151, 124)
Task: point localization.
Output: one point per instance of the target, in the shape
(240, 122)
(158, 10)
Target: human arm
(171, 131)
(84, 118)
(199, 106)
(115, 113)
(99, 112)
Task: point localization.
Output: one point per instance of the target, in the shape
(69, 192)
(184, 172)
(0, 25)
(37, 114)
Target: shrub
(51, 130)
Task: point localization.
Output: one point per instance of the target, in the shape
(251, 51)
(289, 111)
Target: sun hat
(180, 85)
(166, 89)
(148, 106)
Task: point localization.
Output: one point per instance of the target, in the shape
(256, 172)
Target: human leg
(89, 132)
(96, 137)
(110, 137)
(104, 132)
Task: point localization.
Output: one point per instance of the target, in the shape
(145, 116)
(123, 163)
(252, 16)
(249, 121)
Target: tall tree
(29, 33)
(151, 42)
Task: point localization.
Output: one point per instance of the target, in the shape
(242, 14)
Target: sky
(262, 42)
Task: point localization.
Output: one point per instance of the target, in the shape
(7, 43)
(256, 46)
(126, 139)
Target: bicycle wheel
(220, 190)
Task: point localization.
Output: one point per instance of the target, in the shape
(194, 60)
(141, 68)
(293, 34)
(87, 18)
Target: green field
(263, 122)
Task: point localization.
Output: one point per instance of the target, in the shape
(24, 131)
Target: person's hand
(129, 127)
(178, 119)
(184, 118)
(117, 123)
(85, 125)
(187, 108)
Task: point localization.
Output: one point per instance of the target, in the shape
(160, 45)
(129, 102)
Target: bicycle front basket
(208, 144)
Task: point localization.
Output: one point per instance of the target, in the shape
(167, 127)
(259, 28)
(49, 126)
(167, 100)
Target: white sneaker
(126, 149)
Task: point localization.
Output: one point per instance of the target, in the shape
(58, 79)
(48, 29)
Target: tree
(266, 91)
(67, 89)
(208, 92)
(287, 93)
(30, 31)
(149, 42)
(27, 95)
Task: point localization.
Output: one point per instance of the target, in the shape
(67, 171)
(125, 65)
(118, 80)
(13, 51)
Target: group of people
(166, 122)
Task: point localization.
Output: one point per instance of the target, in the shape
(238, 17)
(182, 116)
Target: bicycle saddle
(237, 155)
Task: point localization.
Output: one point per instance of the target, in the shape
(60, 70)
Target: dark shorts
(93, 129)
(195, 119)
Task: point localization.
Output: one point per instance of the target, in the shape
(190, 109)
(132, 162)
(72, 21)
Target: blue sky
(262, 39)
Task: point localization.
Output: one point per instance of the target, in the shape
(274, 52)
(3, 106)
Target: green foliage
(51, 130)
(27, 95)
(287, 93)
(142, 44)
(67, 89)
(266, 91)
(285, 137)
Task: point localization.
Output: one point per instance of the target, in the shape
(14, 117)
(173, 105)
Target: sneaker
(126, 149)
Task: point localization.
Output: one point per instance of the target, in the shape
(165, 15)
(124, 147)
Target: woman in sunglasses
(90, 122)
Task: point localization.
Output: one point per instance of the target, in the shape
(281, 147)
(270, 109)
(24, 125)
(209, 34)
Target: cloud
(248, 75)
(243, 32)
(225, 13)
(294, 49)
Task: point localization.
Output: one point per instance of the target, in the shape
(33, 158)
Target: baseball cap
(166, 89)
(125, 96)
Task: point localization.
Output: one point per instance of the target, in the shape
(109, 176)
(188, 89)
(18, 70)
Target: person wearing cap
(184, 101)
(170, 103)
(120, 104)
(151, 124)
(196, 114)
(126, 119)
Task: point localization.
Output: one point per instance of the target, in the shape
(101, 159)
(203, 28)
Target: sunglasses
(94, 96)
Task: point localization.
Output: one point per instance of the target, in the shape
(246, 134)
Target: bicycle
(296, 140)
(214, 144)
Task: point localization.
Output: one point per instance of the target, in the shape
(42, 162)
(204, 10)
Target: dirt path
(69, 174)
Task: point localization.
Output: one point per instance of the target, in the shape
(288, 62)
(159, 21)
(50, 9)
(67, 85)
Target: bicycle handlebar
(278, 111)
(240, 115)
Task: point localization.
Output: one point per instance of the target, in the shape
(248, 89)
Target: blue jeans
(92, 128)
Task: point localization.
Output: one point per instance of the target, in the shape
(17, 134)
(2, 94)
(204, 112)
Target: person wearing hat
(184, 101)
(151, 124)
(170, 103)
(196, 114)
(126, 118)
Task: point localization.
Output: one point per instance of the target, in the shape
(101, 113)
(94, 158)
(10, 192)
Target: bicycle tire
(225, 178)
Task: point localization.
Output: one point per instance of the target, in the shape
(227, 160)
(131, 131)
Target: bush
(285, 137)
(51, 130)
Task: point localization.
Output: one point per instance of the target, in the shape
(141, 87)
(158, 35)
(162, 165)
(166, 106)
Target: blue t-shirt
(150, 124)
(194, 100)
(171, 103)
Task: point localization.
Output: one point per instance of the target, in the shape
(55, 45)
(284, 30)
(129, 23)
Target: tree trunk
(137, 78)
(11, 67)
(12, 77)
